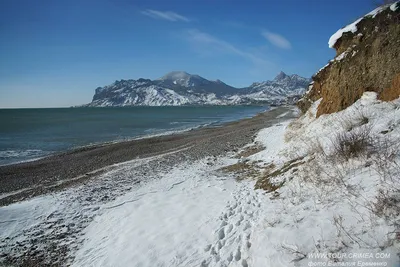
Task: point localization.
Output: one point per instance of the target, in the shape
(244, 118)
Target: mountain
(181, 88)
(184, 79)
(282, 86)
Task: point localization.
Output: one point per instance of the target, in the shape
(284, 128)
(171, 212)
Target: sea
(29, 134)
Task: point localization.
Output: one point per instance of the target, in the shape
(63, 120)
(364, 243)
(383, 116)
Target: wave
(154, 132)
(8, 157)
(6, 154)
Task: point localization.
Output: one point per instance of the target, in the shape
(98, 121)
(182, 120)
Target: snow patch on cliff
(353, 26)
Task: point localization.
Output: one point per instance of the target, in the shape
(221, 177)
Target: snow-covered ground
(329, 204)
(197, 215)
(190, 217)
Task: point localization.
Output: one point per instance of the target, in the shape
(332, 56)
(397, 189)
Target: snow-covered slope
(325, 213)
(181, 88)
(184, 79)
(282, 85)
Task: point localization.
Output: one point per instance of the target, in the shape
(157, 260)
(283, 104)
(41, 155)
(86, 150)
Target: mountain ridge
(181, 88)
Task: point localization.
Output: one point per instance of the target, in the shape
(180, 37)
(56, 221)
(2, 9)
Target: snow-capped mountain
(282, 86)
(181, 88)
(184, 79)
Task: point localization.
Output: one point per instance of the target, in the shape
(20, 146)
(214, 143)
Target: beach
(246, 193)
(48, 203)
(62, 170)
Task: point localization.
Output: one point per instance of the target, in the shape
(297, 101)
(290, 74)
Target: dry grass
(242, 170)
(352, 144)
(292, 130)
(266, 184)
(387, 205)
(265, 180)
(251, 150)
(263, 175)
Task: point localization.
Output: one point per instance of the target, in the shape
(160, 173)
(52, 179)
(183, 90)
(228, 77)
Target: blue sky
(54, 53)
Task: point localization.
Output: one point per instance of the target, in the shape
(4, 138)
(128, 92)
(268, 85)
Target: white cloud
(208, 42)
(166, 15)
(277, 40)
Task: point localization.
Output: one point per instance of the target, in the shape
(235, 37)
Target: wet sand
(56, 172)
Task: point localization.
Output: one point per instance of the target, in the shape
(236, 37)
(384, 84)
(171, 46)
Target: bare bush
(386, 160)
(387, 205)
(359, 118)
(294, 250)
(352, 144)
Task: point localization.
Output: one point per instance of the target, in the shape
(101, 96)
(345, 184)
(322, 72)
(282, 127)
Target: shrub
(359, 118)
(352, 144)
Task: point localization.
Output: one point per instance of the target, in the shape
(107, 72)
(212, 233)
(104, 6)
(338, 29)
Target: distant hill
(181, 88)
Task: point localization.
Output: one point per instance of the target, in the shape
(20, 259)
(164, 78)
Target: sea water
(27, 134)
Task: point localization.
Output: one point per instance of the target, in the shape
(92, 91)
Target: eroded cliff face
(367, 59)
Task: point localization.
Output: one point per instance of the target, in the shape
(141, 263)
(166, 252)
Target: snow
(19, 216)
(170, 222)
(183, 78)
(353, 26)
(197, 215)
(321, 69)
(157, 93)
(337, 35)
(300, 220)
(394, 6)
(341, 56)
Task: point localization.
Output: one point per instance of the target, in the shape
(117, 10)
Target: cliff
(367, 59)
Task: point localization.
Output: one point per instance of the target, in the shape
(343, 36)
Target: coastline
(89, 127)
(25, 180)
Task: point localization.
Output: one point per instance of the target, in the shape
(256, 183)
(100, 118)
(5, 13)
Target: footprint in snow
(221, 233)
(230, 257)
(213, 252)
(238, 254)
(204, 263)
(248, 236)
(229, 229)
(247, 226)
(219, 245)
(248, 244)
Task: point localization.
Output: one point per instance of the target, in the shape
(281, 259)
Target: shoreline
(62, 170)
(157, 133)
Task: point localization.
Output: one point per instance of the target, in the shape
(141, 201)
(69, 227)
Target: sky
(54, 53)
